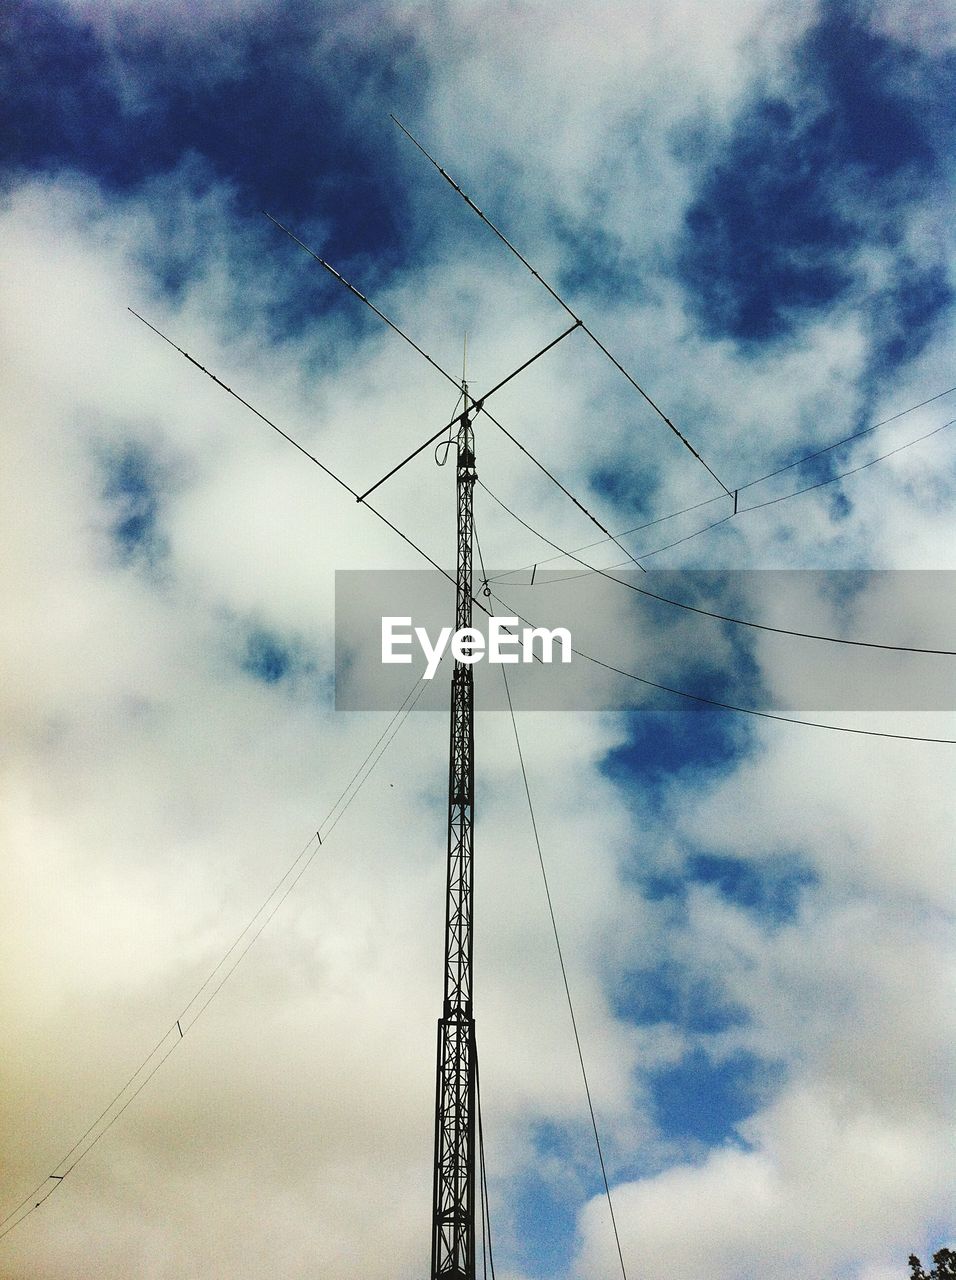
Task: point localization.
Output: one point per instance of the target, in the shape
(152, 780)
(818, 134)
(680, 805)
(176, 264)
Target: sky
(749, 204)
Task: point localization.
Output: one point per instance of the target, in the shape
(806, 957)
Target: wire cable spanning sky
(749, 205)
(220, 974)
(759, 480)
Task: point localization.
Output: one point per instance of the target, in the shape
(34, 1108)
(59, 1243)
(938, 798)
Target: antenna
(453, 1206)
(561, 302)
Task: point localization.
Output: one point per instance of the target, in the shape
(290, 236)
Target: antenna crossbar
(448, 377)
(478, 407)
(561, 302)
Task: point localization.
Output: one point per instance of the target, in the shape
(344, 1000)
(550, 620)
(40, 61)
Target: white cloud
(826, 1188)
(154, 791)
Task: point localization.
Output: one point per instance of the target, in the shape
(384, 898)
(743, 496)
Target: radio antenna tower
(453, 1215)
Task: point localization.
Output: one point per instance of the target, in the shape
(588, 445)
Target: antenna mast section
(453, 1217)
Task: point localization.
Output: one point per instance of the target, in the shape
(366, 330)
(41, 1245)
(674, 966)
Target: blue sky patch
(132, 492)
(701, 1100)
(763, 242)
(672, 994)
(596, 263)
(629, 486)
(803, 181)
(663, 744)
(735, 680)
(544, 1222)
(872, 118)
(707, 658)
(770, 888)
(256, 102)
(266, 657)
(906, 315)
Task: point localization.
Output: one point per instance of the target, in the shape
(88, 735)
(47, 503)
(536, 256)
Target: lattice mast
(453, 1217)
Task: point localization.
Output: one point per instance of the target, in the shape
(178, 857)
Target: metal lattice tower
(453, 1217)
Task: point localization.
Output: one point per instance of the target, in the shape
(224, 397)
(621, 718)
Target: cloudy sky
(748, 203)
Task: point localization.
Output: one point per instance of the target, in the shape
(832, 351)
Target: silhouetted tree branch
(944, 1266)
